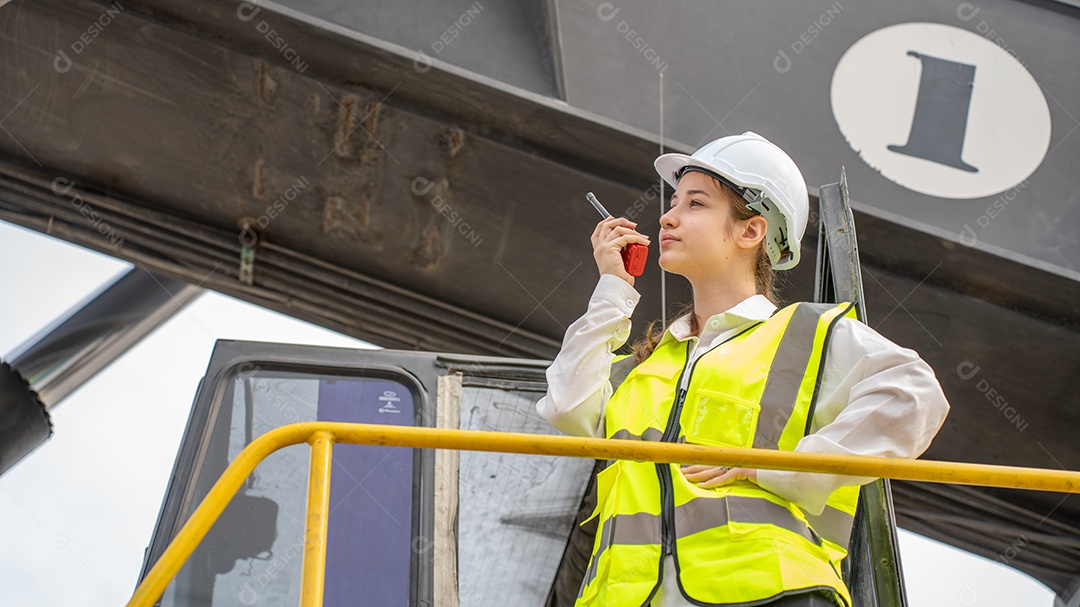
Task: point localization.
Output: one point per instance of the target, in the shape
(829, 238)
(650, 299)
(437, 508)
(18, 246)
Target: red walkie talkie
(634, 254)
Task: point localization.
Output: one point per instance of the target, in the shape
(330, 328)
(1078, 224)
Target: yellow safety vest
(737, 544)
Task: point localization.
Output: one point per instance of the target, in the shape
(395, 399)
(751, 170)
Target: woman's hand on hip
(608, 240)
(708, 477)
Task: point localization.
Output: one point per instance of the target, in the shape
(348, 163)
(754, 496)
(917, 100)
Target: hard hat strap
(776, 239)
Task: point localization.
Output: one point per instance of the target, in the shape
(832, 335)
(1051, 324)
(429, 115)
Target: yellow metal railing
(322, 436)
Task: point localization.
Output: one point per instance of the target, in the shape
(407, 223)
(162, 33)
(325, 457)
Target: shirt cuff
(617, 292)
(786, 484)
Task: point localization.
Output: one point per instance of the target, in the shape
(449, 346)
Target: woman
(732, 371)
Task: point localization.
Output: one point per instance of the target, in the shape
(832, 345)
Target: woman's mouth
(666, 240)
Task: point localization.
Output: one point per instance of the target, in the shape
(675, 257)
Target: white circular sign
(940, 110)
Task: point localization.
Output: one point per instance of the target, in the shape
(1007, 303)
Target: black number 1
(941, 112)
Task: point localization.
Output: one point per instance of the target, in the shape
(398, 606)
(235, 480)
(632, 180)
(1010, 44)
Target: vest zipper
(671, 433)
(667, 492)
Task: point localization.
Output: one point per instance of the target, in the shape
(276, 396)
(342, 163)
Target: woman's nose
(667, 220)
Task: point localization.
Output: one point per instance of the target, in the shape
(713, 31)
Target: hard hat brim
(669, 165)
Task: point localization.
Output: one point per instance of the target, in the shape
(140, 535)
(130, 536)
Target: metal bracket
(248, 239)
(872, 570)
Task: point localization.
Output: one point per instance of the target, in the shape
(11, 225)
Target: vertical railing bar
(318, 514)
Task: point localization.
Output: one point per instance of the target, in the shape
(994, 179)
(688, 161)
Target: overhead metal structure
(61, 357)
(412, 175)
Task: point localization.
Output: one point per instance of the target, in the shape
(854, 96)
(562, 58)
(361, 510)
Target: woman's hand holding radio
(608, 239)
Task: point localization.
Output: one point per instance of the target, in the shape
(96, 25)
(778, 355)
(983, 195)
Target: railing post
(318, 514)
(872, 571)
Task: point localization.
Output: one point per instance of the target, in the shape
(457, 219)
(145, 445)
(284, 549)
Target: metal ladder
(872, 568)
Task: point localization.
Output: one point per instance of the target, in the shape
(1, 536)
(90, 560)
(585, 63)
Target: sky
(77, 513)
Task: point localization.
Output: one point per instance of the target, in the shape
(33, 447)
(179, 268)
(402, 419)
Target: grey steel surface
(510, 42)
(95, 332)
(430, 205)
(69, 352)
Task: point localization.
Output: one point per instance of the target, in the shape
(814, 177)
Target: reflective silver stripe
(652, 434)
(706, 513)
(619, 370)
(833, 524)
(630, 529)
(699, 515)
(605, 541)
(637, 529)
(786, 373)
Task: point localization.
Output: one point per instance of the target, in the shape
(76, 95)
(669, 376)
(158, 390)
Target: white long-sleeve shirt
(876, 398)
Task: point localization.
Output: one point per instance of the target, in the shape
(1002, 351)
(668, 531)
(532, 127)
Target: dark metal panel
(1008, 382)
(283, 279)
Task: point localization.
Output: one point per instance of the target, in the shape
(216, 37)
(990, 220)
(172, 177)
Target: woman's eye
(696, 202)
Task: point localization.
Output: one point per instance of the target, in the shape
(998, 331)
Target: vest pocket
(719, 419)
(607, 481)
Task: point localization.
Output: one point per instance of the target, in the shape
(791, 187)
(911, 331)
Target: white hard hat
(764, 176)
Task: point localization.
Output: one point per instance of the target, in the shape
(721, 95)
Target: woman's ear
(752, 232)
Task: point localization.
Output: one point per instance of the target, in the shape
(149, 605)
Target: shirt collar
(755, 308)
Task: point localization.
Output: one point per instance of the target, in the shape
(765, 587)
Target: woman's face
(698, 234)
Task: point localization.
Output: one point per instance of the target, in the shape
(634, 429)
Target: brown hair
(764, 279)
